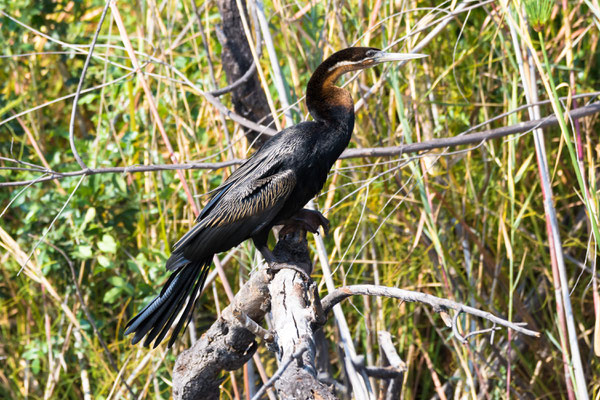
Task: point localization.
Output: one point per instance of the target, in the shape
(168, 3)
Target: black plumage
(271, 187)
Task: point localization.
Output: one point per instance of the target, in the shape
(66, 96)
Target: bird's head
(355, 58)
(326, 101)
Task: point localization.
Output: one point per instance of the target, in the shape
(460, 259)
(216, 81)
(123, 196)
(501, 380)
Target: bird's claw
(308, 220)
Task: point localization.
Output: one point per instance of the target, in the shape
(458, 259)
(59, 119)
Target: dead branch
(295, 309)
(226, 346)
(396, 365)
(471, 138)
(249, 101)
(437, 303)
(230, 341)
(296, 313)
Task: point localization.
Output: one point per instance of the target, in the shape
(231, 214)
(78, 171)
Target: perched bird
(270, 188)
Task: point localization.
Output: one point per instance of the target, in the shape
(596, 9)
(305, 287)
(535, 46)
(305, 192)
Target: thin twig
(472, 138)
(229, 88)
(252, 326)
(455, 331)
(19, 194)
(125, 170)
(88, 315)
(396, 365)
(383, 372)
(80, 85)
(243, 79)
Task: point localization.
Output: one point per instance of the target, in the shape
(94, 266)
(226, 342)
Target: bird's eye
(370, 53)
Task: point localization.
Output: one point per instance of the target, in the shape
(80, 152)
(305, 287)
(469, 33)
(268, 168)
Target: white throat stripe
(342, 64)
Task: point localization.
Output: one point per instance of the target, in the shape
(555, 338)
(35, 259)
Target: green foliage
(538, 12)
(468, 224)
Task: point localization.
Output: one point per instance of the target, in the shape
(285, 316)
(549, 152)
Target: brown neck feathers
(326, 102)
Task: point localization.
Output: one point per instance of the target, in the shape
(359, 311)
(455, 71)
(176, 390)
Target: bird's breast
(311, 171)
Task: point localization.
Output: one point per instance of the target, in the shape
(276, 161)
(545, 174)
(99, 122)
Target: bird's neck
(327, 102)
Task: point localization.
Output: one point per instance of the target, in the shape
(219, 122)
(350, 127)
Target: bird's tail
(157, 317)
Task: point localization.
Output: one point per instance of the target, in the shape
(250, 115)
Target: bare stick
(124, 170)
(396, 364)
(437, 303)
(471, 138)
(79, 86)
(252, 326)
(229, 88)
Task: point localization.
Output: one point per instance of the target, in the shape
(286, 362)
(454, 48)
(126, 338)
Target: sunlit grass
(467, 224)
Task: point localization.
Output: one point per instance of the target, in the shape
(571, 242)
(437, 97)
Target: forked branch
(296, 314)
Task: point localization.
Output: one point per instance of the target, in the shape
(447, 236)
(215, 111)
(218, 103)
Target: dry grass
(464, 223)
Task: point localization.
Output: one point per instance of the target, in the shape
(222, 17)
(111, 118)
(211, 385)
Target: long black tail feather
(155, 320)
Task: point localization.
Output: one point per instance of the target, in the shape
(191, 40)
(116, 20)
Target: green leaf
(108, 244)
(103, 261)
(523, 168)
(83, 252)
(35, 366)
(112, 295)
(90, 214)
(117, 281)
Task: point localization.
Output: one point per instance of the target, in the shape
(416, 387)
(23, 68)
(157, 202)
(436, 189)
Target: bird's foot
(275, 267)
(305, 219)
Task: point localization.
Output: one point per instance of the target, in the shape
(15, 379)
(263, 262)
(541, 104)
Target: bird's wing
(263, 159)
(251, 198)
(234, 214)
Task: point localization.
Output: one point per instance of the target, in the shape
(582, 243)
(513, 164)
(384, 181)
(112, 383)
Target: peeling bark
(296, 309)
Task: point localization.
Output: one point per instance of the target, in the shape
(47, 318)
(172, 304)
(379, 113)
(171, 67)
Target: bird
(270, 188)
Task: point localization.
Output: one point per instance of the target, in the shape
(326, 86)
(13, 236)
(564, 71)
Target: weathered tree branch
(226, 346)
(115, 170)
(249, 101)
(437, 303)
(470, 138)
(296, 313)
(296, 308)
(396, 365)
(230, 343)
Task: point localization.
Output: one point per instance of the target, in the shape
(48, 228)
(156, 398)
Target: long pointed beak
(382, 56)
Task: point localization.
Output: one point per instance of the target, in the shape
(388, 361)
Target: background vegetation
(464, 223)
